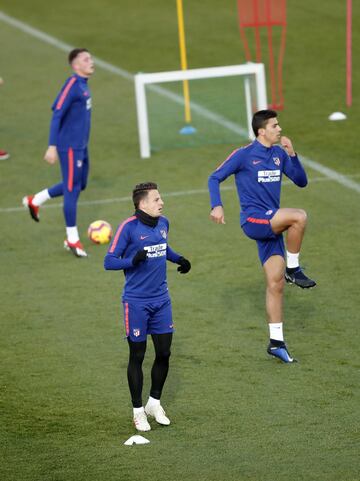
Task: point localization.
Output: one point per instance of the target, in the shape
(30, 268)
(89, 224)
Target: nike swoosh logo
(255, 162)
(142, 237)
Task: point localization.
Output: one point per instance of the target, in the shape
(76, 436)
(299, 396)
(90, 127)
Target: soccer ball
(100, 232)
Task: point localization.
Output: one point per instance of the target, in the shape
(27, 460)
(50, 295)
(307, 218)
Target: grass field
(236, 414)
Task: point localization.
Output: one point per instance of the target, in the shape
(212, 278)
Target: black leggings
(162, 344)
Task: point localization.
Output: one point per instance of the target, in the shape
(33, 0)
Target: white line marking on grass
(180, 193)
(332, 174)
(203, 111)
(65, 47)
(44, 37)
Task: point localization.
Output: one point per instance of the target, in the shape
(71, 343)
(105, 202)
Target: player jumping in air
(68, 141)
(258, 170)
(140, 248)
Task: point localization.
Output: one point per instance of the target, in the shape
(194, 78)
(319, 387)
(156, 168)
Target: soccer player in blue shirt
(68, 141)
(140, 248)
(258, 170)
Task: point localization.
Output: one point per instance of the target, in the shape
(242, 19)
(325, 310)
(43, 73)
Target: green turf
(236, 415)
(225, 96)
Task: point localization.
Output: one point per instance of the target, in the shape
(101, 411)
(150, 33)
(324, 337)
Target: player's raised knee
(301, 216)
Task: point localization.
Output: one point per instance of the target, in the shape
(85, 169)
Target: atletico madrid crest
(276, 161)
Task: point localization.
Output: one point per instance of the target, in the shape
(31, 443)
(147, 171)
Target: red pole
(271, 56)
(348, 53)
(257, 31)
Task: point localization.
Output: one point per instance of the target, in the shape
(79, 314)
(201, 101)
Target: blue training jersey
(147, 280)
(258, 172)
(70, 124)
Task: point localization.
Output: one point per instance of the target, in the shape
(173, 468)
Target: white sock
(292, 260)
(276, 331)
(153, 402)
(72, 234)
(138, 410)
(41, 197)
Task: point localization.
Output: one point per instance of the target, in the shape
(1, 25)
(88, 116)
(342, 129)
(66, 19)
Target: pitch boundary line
(49, 39)
(180, 193)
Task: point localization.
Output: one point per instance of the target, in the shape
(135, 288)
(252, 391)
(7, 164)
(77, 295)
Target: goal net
(222, 101)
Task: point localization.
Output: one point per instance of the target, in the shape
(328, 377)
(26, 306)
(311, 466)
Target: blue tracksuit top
(70, 124)
(146, 280)
(258, 172)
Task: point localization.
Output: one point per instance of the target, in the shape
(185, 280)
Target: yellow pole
(183, 59)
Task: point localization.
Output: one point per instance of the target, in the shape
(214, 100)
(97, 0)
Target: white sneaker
(77, 249)
(141, 422)
(158, 413)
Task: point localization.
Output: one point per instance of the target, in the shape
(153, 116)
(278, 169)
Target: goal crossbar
(247, 70)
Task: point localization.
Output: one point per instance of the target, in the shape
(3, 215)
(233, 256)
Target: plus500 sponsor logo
(158, 250)
(268, 176)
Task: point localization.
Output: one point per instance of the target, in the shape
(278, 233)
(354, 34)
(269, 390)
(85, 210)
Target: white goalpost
(248, 71)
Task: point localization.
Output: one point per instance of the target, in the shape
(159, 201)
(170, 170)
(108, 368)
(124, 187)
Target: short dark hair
(141, 191)
(260, 119)
(74, 53)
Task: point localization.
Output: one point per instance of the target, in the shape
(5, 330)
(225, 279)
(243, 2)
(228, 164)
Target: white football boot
(77, 248)
(158, 413)
(141, 422)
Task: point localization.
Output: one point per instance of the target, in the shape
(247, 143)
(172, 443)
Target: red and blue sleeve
(229, 167)
(114, 258)
(60, 107)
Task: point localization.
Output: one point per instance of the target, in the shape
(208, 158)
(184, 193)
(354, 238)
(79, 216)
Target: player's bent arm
(214, 190)
(231, 165)
(184, 264)
(172, 256)
(287, 145)
(114, 263)
(294, 170)
(114, 259)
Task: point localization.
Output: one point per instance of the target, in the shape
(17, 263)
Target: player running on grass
(258, 170)
(140, 248)
(68, 141)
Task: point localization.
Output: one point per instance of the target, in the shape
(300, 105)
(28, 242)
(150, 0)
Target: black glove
(140, 256)
(184, 265)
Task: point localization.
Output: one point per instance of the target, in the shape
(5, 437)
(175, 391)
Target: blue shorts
(143, 318)
(258, 227)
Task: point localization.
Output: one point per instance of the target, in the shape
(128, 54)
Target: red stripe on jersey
(65, 93)
(118, 232)
(258, 221)
(233, 152)
(70, 169)
(127, 329)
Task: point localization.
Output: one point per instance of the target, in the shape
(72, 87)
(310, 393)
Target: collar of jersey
(82, 79)
(146, 218)
(262, 147)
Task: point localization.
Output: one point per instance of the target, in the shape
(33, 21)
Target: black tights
(162, 344)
